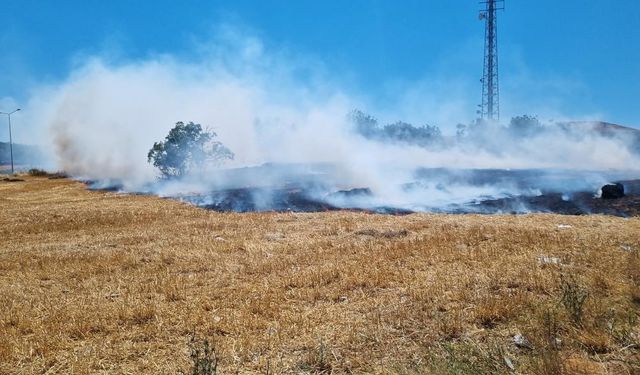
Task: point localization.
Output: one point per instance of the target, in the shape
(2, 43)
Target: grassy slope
(98, 282)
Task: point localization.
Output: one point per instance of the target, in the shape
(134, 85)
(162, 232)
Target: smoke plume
(101, 121)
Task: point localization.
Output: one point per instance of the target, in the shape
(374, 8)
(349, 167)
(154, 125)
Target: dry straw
(94, 282)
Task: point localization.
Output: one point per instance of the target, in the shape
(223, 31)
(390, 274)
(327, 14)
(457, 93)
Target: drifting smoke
(104, 118)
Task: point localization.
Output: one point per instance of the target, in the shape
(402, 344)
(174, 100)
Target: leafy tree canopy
(525, 125)
(186, 148)
(398, 132)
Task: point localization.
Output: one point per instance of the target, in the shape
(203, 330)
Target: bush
(204, 358)
(37, 172)
(573, 298)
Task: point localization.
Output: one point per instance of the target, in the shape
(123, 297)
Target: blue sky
(578, 58)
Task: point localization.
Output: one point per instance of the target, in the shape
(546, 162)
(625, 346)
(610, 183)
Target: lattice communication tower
(490, 107)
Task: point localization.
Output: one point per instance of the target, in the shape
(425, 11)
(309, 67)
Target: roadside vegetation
(99, 282)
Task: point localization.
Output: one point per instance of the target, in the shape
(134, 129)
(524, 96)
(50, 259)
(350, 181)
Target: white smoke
(102, 120)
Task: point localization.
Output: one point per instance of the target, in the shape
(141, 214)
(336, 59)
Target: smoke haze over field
(268, 108)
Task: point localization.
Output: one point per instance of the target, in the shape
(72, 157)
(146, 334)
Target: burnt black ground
(298, 190)
(581, 203)
(298, 200)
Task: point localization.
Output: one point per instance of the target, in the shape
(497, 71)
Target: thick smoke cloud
(268, 108)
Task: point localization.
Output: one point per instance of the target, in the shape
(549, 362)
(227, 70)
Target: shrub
(549, 360)
(573, 298)
(37, 172)
(317, 360)
(204, 357)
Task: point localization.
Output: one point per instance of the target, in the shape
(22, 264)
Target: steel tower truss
(490, 107)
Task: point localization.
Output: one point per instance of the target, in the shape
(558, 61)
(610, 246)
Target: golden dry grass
(95, 282)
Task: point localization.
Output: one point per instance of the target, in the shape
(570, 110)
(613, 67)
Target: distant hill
(22, 154)
(605, 129)
(600, 127)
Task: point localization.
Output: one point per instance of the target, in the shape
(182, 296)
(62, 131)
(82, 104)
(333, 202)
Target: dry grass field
(97, 282)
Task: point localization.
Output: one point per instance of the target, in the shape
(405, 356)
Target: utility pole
(10, 138)
(490, 107)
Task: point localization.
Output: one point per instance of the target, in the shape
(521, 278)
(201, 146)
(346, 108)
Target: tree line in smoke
(400, 131)
(190, 147)
(481, 132)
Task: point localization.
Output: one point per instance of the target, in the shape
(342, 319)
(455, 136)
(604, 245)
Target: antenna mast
(490, 107)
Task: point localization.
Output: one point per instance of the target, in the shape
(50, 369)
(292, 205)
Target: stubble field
(98, 282)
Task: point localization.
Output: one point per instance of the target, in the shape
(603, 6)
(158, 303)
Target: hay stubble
(96, 282)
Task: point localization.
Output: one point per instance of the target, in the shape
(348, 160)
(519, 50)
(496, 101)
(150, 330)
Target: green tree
(525, 125)
(186, 148)
(365, 124)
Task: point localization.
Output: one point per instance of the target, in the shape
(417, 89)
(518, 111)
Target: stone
(543, 259)
(521, 341)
